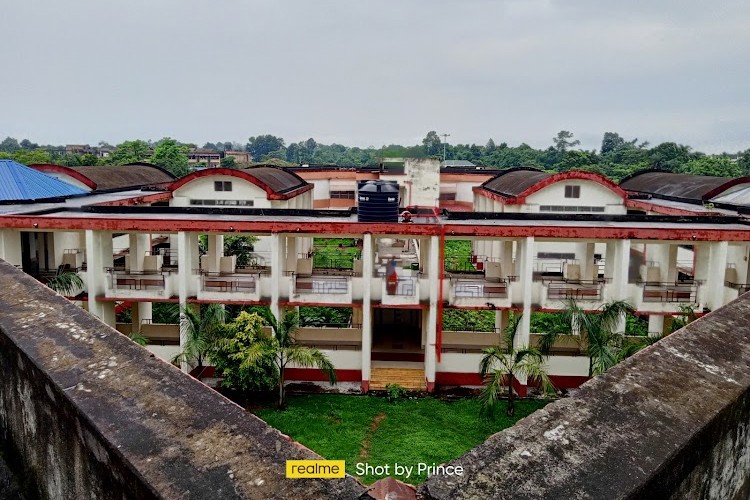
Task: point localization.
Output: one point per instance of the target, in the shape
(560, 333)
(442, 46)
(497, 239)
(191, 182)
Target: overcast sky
(369, 73)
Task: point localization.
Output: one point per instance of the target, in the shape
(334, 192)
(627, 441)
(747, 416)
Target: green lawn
(371, 429)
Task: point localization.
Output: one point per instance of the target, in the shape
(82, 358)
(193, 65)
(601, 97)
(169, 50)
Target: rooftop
(21, 183)
(112, 177)
(678, 187)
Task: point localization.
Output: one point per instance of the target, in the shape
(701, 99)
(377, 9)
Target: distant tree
(670, 156)
(610, 142)
(490, 146)
(210, 145)
(172, 156)
(432, 144)
(574, 159)
(263, 145)
(744, 162)
(104, 144)
(228, 162)
(293, 153)
(129, 152)
(9, 145)
(80, 160)
(564, 141)
(28, 145)
(241, 246)
(720, 166)
(29, 157)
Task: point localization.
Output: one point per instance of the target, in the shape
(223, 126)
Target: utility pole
(445, 141)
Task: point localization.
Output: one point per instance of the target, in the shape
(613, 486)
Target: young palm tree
(604, 346)
(502, 364)
(66, 283)
(203, 332)
(283, 349)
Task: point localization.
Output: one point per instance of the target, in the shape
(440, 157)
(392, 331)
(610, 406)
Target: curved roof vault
(278, 183)
(112, 177)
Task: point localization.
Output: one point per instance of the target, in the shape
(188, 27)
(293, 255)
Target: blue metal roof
(19, 182)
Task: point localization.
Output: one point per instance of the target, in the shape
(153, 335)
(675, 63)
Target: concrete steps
(411, 379)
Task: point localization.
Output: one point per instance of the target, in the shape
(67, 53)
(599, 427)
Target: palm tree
(283, 349)
(604, 346)
(66, 283)
(203, 332)
(504, 363)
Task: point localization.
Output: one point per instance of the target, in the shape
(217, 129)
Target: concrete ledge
(93, 415)
(671, 422)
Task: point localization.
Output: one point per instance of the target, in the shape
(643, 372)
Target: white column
(433, 277)
(140, 243)
(368, 265)
(671, 254)
(276, 273)
(588, 270)
(99, 256)
(526, 279)
(655, 325)
(10, 246)
(717, 264)
(215, 251)
(186, 264)
(619, 285)
(507, 259)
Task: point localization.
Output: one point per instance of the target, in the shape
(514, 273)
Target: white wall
(203, 189)
(593, 194)
(423, 181)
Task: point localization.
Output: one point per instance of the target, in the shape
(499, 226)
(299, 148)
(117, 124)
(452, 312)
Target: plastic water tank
(378, 201)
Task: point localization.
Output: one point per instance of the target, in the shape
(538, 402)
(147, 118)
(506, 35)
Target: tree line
(616, 158)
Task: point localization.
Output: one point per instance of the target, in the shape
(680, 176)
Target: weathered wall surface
(93, 415)
(670, 422)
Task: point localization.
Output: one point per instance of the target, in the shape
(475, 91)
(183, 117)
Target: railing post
(367, 272)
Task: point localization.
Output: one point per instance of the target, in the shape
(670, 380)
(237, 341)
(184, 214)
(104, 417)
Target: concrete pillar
(526, 279)
(717, 264)
(99, 255)
(215, 252)
(619, 285)
(368, 268)
(655, 325)
(276, 273)
(430, 349)
(140, 243)
(187, 259)
(10, 246)
(506, 258)
(291, 252)
(588, 269)
(671, 262)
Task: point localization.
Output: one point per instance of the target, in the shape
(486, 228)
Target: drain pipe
(441, 264)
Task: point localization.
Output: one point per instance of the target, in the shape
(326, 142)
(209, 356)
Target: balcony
(335, 337)
(232, 286)
(139, 284)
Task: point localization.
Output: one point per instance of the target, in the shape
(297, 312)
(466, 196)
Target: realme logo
(297, 469)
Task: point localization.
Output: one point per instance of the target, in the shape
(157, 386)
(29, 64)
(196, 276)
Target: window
(572, 191)
(447, 196)
(342, 195)
(227, 203)
(222, 185)
(567, 208)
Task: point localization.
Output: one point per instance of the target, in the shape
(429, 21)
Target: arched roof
(680, 187)
(278, 183)
(112, 177)
(515, 185)
(21, 183)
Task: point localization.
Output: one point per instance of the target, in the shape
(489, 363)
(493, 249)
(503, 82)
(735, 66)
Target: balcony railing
(137, 281)
(480, 288)
(575, 289)
(679, 291)
(740, 287)
(405, 286)
(329, 285)
(216, 282)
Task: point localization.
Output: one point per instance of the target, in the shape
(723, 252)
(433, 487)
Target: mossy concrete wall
(673, 421)
(86, 413)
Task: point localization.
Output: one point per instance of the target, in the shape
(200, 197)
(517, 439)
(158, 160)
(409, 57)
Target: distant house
(239, 156)
(209, 157)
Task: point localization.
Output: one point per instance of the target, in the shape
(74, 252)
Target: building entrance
(397, 335)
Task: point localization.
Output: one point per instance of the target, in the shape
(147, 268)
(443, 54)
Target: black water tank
(378, 201)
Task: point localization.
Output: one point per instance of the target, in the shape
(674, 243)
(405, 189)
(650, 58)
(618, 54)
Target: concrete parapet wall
(673, 421)
(86, 413)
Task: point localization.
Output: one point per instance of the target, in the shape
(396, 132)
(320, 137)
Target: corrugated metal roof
(458, 163)
(671, 185)
(278, 179)
(738, 196)
(19, 182)
(514, 181)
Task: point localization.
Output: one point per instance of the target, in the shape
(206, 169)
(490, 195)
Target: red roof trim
(48, 167)
(731, 183)
(240, 174)
(660, 209)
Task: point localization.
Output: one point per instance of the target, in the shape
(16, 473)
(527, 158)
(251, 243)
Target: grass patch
(458, 255)
(408, 431)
